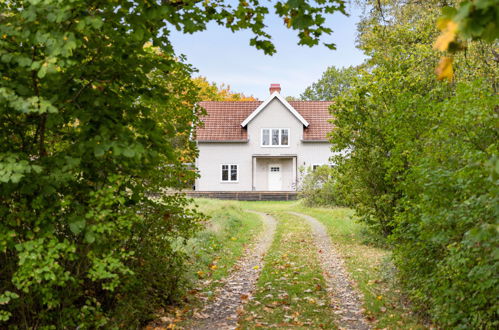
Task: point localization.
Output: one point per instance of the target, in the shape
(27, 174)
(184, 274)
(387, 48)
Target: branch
(43, 118)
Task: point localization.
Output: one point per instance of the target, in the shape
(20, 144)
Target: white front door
(275, 177)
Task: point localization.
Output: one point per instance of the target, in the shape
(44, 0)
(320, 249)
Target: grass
(222, 242)
(291, 289)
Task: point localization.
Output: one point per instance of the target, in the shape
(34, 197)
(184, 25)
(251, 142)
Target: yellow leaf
(379, 297)
(213, 267)
(444, 69)
(233, 238)
(256, 267)
(448, 35)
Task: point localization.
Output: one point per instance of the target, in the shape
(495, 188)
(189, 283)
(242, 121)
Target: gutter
(223, 141)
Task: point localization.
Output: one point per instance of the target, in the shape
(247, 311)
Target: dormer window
(275, 137)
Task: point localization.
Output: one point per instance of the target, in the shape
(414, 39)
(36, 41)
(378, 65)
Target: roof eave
(223, 141)
(264, 104)
(316, 140)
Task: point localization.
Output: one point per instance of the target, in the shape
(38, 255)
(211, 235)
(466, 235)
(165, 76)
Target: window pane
(225, 172)
(275, 137)
(284, 137)
(233, 173)
(265, 137)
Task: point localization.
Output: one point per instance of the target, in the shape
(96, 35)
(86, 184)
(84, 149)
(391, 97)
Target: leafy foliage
(332, 83)
(213, 92)
(421, 167)
(471, 20)
(319, 187)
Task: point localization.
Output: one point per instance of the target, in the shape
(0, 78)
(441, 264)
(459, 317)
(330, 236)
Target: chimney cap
(275, 88)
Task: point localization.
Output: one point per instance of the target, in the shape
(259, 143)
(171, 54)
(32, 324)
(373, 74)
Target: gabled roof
(223, 119)
(275, 95)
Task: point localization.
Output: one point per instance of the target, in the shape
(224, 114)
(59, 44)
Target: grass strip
(291, 289)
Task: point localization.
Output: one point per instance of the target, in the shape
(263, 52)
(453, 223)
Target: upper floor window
(275, 137)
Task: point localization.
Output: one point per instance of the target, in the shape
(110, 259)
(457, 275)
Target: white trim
(264, 104)
(221, 173)
(270, 138)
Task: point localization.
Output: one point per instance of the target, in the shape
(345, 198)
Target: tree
(421, 170)
(96, 114)
(332, 83)
(213, 92)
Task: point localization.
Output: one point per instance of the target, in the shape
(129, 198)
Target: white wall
(275, 115)
(212, 156)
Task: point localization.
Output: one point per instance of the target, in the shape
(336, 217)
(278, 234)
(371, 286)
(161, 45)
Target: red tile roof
(223, 119)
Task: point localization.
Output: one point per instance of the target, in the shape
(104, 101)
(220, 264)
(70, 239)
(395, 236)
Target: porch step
(246, 195)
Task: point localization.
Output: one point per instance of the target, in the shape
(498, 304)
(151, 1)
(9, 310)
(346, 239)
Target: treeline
(423, 162)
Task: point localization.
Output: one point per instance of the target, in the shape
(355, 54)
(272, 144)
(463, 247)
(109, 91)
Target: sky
(225, 57)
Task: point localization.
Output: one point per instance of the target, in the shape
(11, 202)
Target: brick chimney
(275, 88)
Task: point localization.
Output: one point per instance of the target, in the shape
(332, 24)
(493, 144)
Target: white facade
(260, 167)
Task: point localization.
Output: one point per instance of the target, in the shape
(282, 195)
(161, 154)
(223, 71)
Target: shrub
(422, 168)
(92, 119)
(319, 188)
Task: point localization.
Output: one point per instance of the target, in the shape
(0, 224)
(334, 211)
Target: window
(229, 173)
(275, 169)
(275, 137)
(315, 166)
(265, 137)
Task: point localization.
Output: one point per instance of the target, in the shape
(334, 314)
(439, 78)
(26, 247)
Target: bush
(423, 166)
(92, 119)
(446, 241)
(319, 187)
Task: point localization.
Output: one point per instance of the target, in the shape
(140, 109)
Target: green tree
(333, 82)
(212, 92)
(422, 163)
(96, 114)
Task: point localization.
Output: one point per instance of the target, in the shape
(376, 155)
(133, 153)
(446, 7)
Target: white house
(261, 145)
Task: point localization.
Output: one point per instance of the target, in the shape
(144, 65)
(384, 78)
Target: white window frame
(229, 176)
(270, 137)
